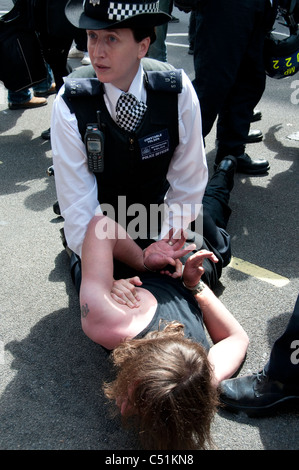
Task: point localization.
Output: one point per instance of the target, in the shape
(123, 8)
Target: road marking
(258, 272)
(175, 44)
(177, 34)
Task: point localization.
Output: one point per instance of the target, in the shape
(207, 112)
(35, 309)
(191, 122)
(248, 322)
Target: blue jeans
(18, 97)
(158, 49)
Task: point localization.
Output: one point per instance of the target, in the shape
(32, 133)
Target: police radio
(94, 141)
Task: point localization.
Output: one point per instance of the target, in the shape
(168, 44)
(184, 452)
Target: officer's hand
(162, 253)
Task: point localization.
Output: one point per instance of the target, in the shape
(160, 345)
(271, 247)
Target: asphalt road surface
(51, 373)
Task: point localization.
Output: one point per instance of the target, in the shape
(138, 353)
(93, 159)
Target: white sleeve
(76, 186)
(188, 172)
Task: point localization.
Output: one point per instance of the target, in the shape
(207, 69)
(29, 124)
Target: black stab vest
(135, 164)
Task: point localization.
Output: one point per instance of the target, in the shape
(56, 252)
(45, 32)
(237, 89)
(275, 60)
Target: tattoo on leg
(84, 310)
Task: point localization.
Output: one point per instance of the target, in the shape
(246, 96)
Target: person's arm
(76, 187)
(103, 319)
(188, 172)
(230, 341)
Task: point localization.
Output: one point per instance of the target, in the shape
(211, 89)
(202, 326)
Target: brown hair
(166, 379)
(141, 33)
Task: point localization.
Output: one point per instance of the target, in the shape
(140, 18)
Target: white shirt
(76, 186)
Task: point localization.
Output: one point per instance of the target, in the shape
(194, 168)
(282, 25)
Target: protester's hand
(124, 292)
(194, 267)
(162, 253)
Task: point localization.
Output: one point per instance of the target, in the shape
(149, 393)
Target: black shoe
(174, 19)
(56, 208)
(46, 134)
(251, 167)
(254, 136)
(228, 164)
(248, 166)
(256, 115)
(255, 394)
(75, 266)
(64, 242)
(50, 170)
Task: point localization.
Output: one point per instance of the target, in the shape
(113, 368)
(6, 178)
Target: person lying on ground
(167, 372)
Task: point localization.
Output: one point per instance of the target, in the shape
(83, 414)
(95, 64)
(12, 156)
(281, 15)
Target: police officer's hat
(105, 14)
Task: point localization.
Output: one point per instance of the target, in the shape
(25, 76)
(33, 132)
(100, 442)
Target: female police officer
(160, 160)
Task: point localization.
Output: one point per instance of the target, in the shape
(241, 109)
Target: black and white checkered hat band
(120, 11)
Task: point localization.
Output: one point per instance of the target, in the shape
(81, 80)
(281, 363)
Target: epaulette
(166, 80)
(82, 87)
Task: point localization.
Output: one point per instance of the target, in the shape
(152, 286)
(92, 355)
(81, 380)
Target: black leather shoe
(256, 115)
(50, 170)
(248, 166)
(251, 167)
(254, 136)
(46, 134)
(256, 394)
(228, 164)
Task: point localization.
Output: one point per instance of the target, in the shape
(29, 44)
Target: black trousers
(229, 68)
(216, 214)
(283, 364)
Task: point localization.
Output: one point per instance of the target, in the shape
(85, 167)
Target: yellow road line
(258, 272)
